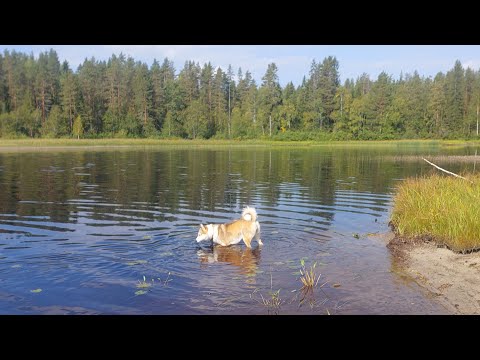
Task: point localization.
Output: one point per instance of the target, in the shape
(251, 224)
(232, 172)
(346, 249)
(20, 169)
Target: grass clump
(309, 277)
(273, 301)
(143, 284)
(445, 209)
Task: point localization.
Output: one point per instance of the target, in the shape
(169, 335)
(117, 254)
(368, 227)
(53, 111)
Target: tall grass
(444, 208)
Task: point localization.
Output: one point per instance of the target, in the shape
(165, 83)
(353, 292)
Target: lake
(112, 231)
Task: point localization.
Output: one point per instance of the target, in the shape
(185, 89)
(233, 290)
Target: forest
(42, 97)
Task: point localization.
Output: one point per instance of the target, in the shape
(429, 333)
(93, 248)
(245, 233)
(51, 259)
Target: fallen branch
(448, 172)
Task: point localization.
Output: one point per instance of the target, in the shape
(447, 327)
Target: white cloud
(473, 64)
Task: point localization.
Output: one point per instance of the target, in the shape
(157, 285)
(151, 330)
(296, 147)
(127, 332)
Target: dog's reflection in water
(246, 259)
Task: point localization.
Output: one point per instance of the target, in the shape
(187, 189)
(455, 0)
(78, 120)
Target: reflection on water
(86, 226)
(246, 259)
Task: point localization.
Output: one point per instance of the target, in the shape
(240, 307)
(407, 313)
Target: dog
(245, 228)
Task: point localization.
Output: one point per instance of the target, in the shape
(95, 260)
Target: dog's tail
(249, 214)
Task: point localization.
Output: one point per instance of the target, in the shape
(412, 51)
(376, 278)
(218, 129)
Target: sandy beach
(453, 278)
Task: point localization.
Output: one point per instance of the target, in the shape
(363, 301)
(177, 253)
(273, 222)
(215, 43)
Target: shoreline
(125, 143)
(453, 279)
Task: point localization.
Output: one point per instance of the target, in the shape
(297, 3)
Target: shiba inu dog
(246, 228)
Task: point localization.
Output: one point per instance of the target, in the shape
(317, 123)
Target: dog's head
(205, 232)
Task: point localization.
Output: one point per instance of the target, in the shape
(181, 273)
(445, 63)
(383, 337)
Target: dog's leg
(247, 239)
(257, 234)
(222, 238)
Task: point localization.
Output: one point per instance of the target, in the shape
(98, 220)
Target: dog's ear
(203, 227)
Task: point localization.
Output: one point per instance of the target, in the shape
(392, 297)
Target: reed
(441, 208)
(309, 278)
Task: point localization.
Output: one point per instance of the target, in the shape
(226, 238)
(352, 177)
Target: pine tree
(142, 92)
(90, 76)
(454, 93)
(437, 105)
(47, 82)
(379, 100)
(328, 83)
(271, 97)
(112, 90)
(469, 105)
(288, 111)
(162, 79)
(3, 87)
(231, 96)
(206, 97)
(69, 94)
(219, 103)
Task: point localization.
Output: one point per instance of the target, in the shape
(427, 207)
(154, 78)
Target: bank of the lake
(24, 143)
(437, 235)
(441, 208)
(453, 279)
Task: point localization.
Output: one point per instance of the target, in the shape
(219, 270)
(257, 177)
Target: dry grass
(309, 278)
(274, 301)
(439, 207)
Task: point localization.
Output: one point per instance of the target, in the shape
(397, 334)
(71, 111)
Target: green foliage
(77, 127)
(196, 120)
(121, 97)
(56, 124)
(150, 131)
(130, 126)
(9, 125)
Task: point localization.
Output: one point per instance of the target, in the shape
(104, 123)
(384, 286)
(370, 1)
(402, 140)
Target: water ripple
(87, 227)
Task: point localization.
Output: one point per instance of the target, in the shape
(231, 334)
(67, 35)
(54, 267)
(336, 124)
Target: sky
(293, 61)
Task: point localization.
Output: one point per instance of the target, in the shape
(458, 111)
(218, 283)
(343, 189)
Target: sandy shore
(454, 279)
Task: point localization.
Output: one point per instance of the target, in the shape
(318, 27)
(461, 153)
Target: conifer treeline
(41, 97)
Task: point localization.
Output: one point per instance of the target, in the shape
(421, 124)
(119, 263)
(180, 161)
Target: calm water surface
(85, 227)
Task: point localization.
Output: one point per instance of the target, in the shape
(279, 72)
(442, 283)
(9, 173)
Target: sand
(452, 278)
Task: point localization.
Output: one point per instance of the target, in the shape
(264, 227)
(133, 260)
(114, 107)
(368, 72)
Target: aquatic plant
(143, 284)
(167, 280)
(273, 302)
(309, 278)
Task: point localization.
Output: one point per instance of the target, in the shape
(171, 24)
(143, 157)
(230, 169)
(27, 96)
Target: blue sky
(293, 61)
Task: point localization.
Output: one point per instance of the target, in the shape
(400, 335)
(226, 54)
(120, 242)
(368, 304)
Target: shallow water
(85, 228)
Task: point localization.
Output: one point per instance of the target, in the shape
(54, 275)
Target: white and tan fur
(245, 228)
